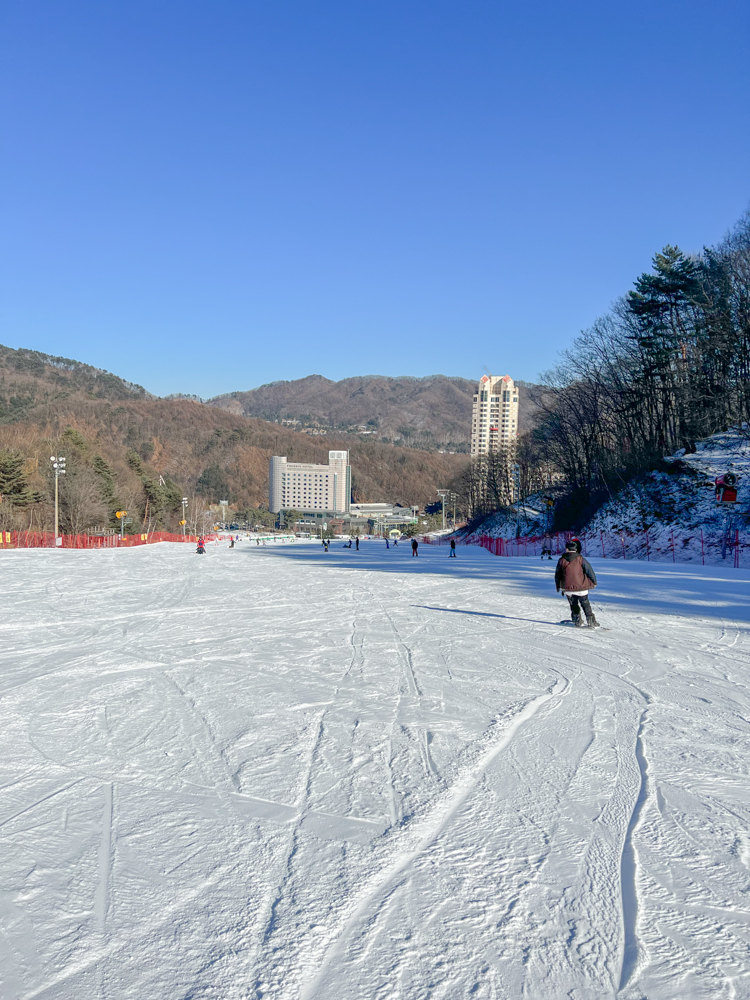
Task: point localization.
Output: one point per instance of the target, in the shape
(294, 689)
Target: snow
(284, 773)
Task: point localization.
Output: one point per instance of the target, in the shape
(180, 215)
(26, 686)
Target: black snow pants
(574, 600)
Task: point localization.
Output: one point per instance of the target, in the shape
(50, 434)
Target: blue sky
(204, 197)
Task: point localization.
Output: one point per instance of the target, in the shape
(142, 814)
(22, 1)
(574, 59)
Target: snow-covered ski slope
(351, 775)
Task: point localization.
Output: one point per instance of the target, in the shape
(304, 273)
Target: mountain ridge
(429, 412)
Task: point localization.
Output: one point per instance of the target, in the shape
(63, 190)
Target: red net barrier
(666, 544)
(46, 540)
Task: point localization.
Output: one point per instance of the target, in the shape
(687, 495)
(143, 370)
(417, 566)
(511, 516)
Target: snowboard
(584, 628)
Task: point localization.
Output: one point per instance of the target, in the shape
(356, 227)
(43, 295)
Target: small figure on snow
(414, 547)
(547, 547)
(452, 553)
(356, 542)
(231, 543)
(575, 577)
(201, 549)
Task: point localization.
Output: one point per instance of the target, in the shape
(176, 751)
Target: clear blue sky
(207, 196)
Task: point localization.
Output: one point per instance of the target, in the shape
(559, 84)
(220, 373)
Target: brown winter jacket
(574, 573)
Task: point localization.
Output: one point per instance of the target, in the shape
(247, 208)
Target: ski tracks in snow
(414, 842)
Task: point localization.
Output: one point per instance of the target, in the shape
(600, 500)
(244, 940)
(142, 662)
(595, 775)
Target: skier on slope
(575, 577)
(414, 547)
(201, 550)
(453, 548)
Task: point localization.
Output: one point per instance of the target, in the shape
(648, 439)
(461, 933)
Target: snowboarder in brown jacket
(575, 578)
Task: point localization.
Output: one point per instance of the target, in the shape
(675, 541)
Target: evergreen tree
(14, 485)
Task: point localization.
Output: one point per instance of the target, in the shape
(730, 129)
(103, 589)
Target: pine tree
(14, 486)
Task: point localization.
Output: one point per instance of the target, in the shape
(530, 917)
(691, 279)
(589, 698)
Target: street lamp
(454, 497)
(443, 494)
(223, 504)
(184, 513)
(58, 464)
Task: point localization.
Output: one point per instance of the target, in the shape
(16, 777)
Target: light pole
(223, 505)
(58, 464)
(184, 513)
(443, 494)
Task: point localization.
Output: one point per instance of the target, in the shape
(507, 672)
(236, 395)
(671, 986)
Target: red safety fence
(667, 544)
(46, 540)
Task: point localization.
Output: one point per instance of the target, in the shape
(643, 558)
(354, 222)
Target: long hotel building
(310, 489)
(494, 418)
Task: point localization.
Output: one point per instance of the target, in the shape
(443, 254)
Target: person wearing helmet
(574, 577)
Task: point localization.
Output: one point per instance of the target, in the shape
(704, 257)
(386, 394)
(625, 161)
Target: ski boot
(577, 621)
(592, 622)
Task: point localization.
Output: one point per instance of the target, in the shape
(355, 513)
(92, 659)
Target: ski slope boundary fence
(46, 540)
(664, 544)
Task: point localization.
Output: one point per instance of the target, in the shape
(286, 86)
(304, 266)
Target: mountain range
(52, 404)
(430, 413)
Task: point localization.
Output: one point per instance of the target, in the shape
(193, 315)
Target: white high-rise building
(494, 418)
(310, 488)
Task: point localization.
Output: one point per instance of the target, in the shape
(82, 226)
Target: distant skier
(395, 542)
(201, 549)
(231, 543)
(414, 547)
(386, 544)
(575, 577)
(452, 553)
(356, 543)
(547, 548)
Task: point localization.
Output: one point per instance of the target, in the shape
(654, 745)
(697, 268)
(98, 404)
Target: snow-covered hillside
(677, 508)
(343, 776)
(683, 499)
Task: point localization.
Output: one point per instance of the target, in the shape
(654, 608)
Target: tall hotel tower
(494, 418)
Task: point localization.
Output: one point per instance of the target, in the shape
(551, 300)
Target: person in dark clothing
(547, 548)
(453, 548)
(414, 547)
(575, 577)
(356, 543)
(201, 550)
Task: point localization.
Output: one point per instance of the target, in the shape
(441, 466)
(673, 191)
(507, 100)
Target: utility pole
(223, 505)
(58, 464)
(443, 494)
(184, 513)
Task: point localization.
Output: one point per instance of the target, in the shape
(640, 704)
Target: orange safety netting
(46, 540)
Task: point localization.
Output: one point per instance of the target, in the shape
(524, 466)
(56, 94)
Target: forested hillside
(30, 379)
(118, 446)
